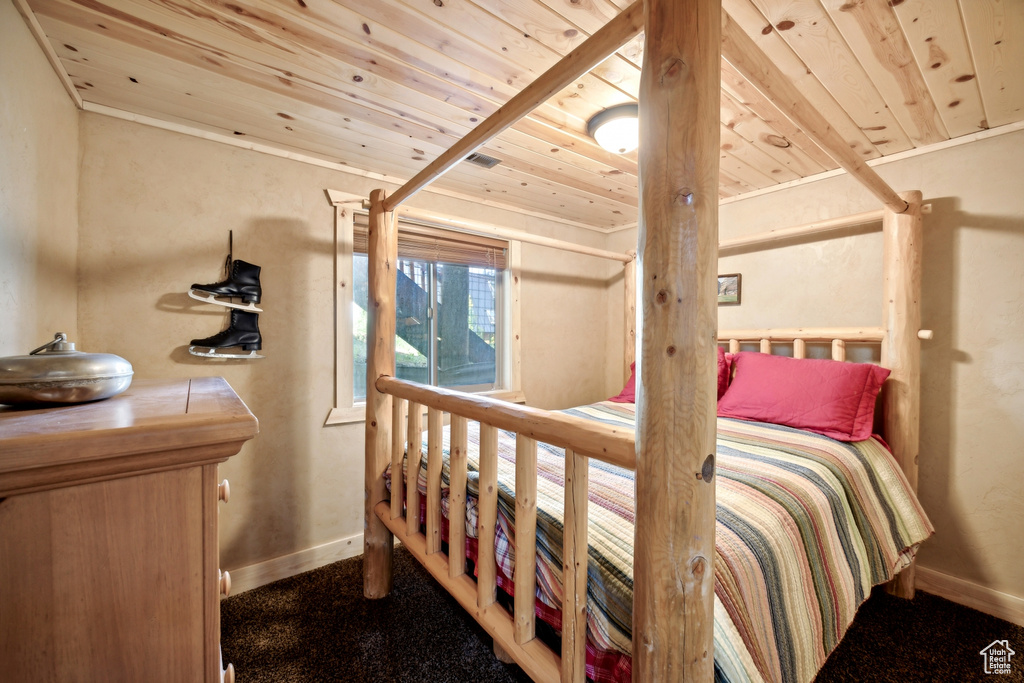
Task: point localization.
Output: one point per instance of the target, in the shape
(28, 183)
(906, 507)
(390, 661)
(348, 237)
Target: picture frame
(729, 289)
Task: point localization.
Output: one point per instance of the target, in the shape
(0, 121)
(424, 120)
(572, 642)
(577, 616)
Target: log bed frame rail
(677, 253)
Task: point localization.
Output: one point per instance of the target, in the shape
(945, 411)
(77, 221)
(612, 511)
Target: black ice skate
(243, 282)
(243, 331)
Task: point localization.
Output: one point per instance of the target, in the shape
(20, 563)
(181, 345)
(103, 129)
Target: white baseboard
(262, 573)
(1003, 605)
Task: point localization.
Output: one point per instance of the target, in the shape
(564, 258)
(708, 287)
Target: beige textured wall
(38, 194)
(156, 208)
(972, 422)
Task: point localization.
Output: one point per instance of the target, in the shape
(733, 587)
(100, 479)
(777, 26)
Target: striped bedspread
(805, 527)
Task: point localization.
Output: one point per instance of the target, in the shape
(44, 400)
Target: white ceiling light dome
(617, 128)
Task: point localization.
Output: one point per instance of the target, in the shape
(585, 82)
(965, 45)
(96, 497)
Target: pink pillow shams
(823, 396)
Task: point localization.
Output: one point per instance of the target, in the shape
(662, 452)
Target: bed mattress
(806, 525)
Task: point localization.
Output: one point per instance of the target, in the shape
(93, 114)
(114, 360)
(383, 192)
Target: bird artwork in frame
(729, 289)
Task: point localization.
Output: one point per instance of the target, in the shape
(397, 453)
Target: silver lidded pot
(57, 373)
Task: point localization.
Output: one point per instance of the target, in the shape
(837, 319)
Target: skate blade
(208, 298)
(212, 353)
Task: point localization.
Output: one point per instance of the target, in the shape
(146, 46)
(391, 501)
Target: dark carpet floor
(318, 627)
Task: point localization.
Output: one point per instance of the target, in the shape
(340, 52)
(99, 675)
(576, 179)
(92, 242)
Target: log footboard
(514, 633)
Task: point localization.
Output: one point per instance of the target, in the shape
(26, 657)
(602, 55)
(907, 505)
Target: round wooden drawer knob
(229, 674)
(225, 584)
(224, 491)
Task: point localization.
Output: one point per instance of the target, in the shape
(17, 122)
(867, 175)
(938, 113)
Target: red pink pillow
(724, 368)
(823, 396)
(628, 393)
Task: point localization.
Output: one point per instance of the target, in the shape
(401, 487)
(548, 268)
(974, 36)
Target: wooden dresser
(108, 534)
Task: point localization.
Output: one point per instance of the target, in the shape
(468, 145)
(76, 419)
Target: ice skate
(244, 331)
(243, 282)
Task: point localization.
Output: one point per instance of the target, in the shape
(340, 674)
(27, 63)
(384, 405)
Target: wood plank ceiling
(387, 85)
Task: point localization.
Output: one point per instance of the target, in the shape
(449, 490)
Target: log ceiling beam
(589, 54)
(740, 50)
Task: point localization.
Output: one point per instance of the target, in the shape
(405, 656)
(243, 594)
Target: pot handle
(58, 338)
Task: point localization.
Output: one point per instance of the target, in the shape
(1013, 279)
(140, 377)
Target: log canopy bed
(529, 479)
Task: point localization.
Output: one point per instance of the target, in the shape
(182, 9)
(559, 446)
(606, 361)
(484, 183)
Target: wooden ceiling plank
(728, 180)
(743, 149)
(759, 120)
(589, 16)
(995, 31)
(779, 51)
(331, 17)
(935, 33)
(556, 30)
(580, 60)
(740, 169)
(234, 90)
(253, 119)
(186, 50)
(758, 135)
(445, 140)
(808, 30)
(163, 91)
(741, 51)
(529, 34)
(874, 35)
(418, 30)
(40, 36)
(568, 140)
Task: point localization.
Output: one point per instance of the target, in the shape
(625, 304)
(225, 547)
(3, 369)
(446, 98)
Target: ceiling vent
(483, 160)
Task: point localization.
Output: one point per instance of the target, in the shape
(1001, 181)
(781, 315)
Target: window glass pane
(412, 327)
(464, 352)
(360, 293)
(466, 315)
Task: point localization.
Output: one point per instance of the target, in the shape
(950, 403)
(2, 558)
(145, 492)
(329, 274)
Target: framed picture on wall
(729, 289)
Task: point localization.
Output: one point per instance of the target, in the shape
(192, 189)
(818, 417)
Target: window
(455, 297)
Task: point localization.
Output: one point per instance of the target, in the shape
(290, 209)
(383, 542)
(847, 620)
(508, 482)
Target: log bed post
(378, 546)
(901, 349)
(629, 306)
(673, 602)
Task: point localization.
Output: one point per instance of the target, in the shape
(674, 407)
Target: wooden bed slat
(487, 517)
(604, 442)
(574, 569)
(766, 346)
(526, 539)
(838, 350)
(629, 306)
(435, 425)
(537, 660)
(413, 459)
(397, 456)
(457, 498)
(799, 348)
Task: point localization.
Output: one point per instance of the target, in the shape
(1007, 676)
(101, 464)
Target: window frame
(346, 409)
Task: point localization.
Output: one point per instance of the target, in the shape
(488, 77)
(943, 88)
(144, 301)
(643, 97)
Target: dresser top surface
(152, 415)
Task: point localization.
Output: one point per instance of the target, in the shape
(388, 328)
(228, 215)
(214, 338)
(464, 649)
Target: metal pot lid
(58, 361)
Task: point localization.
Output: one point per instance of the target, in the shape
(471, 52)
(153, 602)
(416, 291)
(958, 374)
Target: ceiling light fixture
(616, 128)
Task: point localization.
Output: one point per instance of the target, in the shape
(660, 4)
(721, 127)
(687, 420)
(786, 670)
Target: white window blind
(427, 243)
